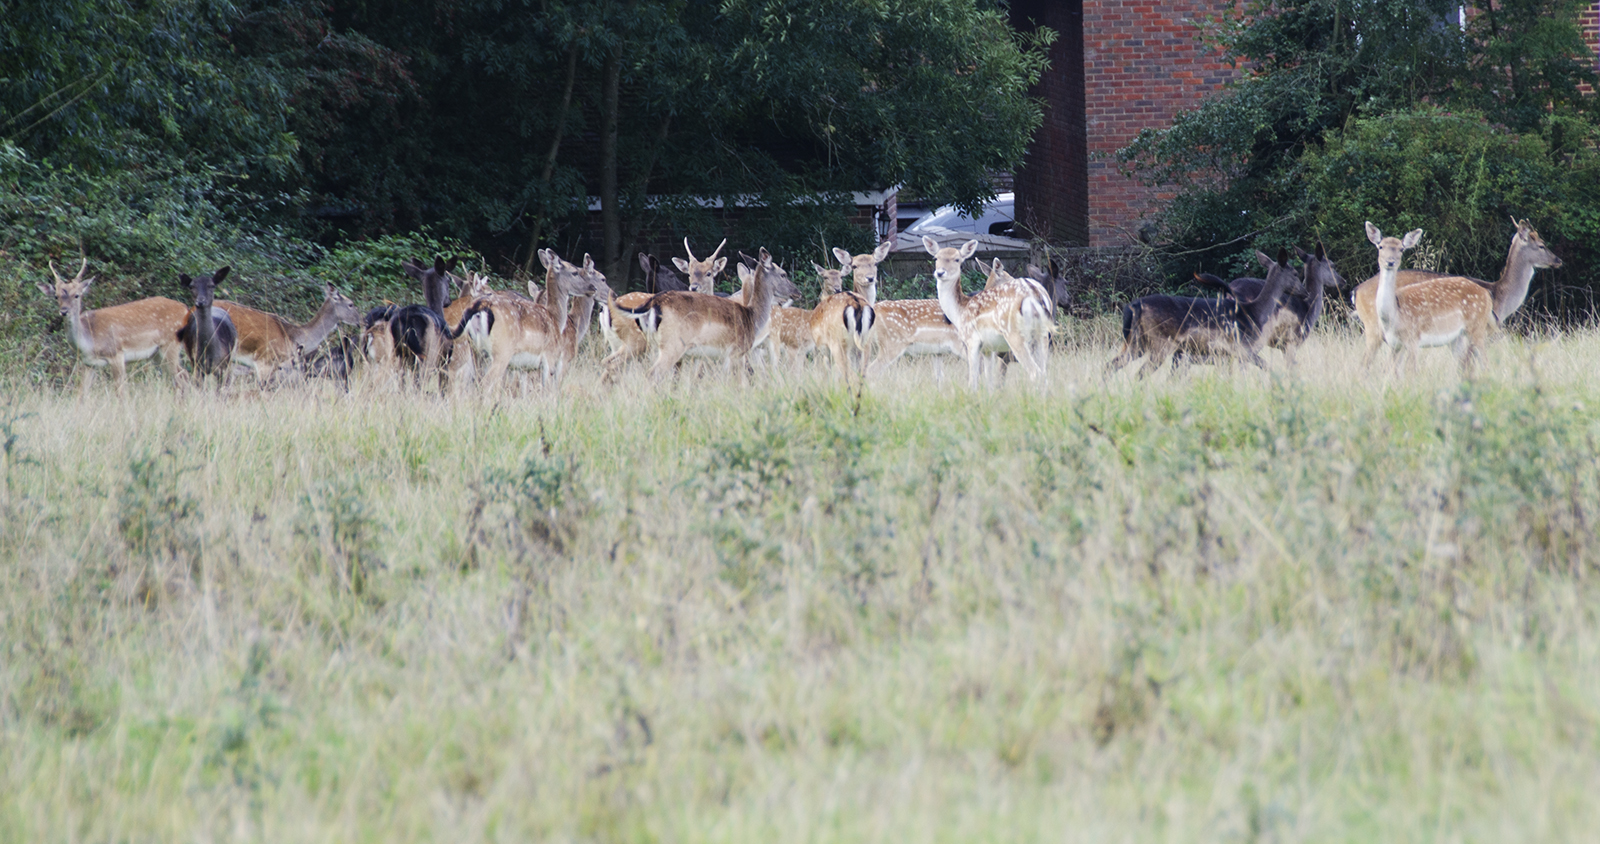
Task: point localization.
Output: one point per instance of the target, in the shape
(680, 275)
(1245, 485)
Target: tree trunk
(550, 158)
(610, 214)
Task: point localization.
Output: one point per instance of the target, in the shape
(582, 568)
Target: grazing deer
(528, 335)
(1157, 326)
(1527, 253)
(115, 335)
(1301, 309)
(1450, 310)
(209, 335)
(1010, 315)
(694, 323)
(268, 342)
(333, 360)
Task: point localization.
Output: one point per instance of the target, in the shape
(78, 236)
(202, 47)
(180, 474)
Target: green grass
(1218, 605)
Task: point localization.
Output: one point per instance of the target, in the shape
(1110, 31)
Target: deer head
(947, 261)
(435, 280)
(659, 279)
(864, 268)
(1392, 249)
(204, 287)
(832, 279)
(702, 274)
(69, 294)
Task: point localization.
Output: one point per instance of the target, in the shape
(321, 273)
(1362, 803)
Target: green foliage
(1461, 180)
(1316, 133)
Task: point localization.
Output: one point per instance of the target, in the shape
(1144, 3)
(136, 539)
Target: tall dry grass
(1217, 604)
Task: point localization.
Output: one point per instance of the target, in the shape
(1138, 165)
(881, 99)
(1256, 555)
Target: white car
(997, 218)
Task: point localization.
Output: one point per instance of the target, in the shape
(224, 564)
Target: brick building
(1118, 66)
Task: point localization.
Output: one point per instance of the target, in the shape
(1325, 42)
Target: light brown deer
(1450, 310)
(269, 343)
(1011, 315)
(864, 269)
(1527, 253)
(115, 335)
(842, 320)
(695, 323)
(527, 335)
(624, 336)
(790, 332)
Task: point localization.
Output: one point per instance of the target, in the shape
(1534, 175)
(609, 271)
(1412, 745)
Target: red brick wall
(1051, 186)
(1142, 63)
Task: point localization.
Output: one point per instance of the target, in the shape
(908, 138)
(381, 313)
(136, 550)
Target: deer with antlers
(1450, 310)
(694, 323)
(1526, 253)
(1158, 326)
(1012, 315)
(113, 336)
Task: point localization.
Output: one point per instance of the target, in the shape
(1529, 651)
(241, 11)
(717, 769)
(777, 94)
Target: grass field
(1212, 606)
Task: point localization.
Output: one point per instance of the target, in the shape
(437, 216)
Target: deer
(580, 316)
(790, 331)
(695, 323)
(702, 275)
(208, 335)
(1301, 309)
(269, 343)
(1012, 315)
(1157, 326)
(864, 269)
(1449, 310)
(528, 335)
(1527, 253)
(114, 335)
(624, 336)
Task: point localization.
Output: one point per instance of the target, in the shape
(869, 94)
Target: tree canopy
(496, 121)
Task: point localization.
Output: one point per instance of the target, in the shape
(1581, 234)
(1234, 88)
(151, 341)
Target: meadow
(1220, 604)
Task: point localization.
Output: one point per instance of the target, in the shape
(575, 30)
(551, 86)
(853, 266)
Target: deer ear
(842, 256)
(88, 281)
(764, 255)
(411, 268)
(745, 273)
(1302, 254)
(548, 258)
(1411, 240)
(438, 264)
(221, 274)
(931, 245)
(1055, 269)
(821, 270)
(720, 265)
(996, 266)
(1373, 234)
(683, 266)
(185, 280)
(1322, 254)
(969, 249)
(451, 264)
(882, 251)
(46, 289)
(1263, 260)
(644, 263)
(1283, 256)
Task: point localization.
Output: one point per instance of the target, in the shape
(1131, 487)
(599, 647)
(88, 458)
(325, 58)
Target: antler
(686, 248)
(53, 272)
(713, 255)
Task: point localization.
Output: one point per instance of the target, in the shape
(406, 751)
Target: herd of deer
(1010, 319)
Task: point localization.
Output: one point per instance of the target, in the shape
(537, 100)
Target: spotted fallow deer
(1157, 326)
(695, 323)
(269, 343)
(528, 335)
(625, 338)
(209, 335)
(1301, 309)
(115, 335)
(1450, 310)
(1527, 253)
(1010, 315)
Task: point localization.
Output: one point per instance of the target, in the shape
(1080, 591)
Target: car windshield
(948, 218)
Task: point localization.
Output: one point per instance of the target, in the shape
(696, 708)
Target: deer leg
(85, 380)
(119, 370)
(1374, 340)
(1158, 354)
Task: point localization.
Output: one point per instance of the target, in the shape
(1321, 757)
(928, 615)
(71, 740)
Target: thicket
(1406, 113)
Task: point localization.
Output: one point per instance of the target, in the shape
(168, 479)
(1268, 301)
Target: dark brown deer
(1301, 308)
(209, 335)
(1157, 326)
